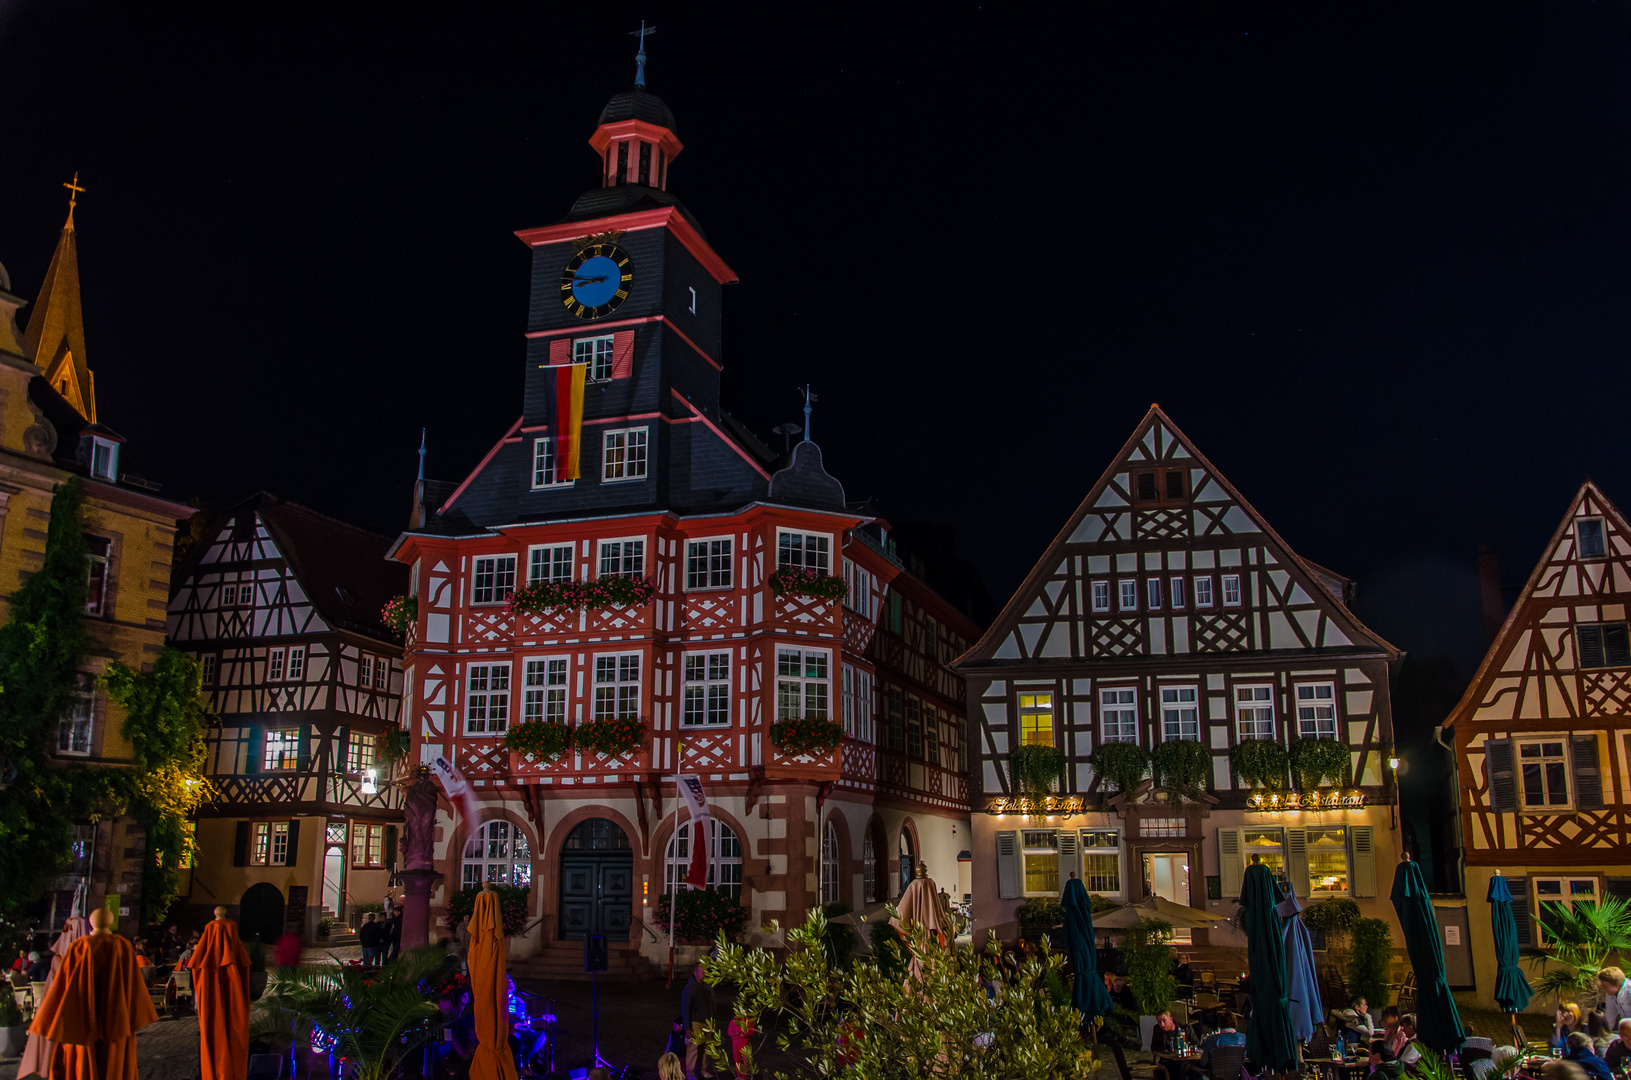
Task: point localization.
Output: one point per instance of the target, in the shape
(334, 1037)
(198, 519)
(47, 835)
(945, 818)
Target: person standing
(1616, 991)
(393, 935)
(220, 967)
(696, 1010)
(94, 1007)
(370, 937)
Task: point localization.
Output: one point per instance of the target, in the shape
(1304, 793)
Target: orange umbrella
(489, 991)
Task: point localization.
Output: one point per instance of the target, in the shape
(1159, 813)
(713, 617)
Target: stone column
(419, 856)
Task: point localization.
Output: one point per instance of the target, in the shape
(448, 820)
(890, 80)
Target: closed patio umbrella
(1438, 1024)
(1512, 991)
(489, 991)
(1270, 1043)
(1088, 994)
(1302, 987)
(920, 904)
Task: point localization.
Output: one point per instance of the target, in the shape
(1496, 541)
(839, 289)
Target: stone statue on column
(419, 857)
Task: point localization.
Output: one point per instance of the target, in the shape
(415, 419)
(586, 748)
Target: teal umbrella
(1438, 1024)
(1511, 988)
(1088, 995)
(1270, 1043)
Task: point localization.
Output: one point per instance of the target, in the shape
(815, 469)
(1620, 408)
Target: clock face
(596, 280)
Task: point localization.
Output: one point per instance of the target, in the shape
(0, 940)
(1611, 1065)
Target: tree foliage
(1151, 974)
(1368, 963)
(1580, 941)
(863, 1023)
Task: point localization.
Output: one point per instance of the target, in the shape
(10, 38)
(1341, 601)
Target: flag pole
(673, 838)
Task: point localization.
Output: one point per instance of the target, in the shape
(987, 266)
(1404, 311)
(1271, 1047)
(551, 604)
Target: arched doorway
(260, 913)
(597, 881)
(908, 858)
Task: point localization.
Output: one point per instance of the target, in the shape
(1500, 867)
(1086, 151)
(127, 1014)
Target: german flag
(565, 417)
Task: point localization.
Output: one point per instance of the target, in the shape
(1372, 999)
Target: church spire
(55, 339)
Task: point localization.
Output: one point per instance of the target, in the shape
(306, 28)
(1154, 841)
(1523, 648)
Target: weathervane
(640, 57)
(74, 191)
(809, 400)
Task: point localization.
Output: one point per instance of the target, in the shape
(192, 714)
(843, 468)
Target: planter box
(816, 765)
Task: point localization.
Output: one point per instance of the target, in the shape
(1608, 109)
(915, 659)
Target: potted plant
(1368, 963)
(1261, 763)
(1039, 915)
(325, 926)
(400, 612)
(1151, 975)
(1121, 765)
(806, 735)
(1314, 761)
(1180, 766)
(15, 1036)
(702, 915)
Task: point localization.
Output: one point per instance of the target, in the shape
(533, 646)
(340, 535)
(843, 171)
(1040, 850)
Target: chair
(1319, 1044)
(1226, 1062)
(1205, 999)
(180, 988)
(25, 999)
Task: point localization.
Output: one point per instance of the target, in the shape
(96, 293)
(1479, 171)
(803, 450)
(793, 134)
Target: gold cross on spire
(74, 191)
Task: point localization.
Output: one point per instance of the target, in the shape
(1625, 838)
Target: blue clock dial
(596, 280)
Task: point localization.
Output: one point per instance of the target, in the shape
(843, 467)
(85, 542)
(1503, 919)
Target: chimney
(1489, 588)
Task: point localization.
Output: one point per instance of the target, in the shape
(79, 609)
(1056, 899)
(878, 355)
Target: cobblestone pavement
(167, 1050)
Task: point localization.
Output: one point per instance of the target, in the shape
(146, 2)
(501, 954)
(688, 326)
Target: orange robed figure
(220, 968)
(94, 1007)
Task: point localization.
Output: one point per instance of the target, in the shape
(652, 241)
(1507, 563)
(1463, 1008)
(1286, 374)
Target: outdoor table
(1177, 1065)
(1344, 1068)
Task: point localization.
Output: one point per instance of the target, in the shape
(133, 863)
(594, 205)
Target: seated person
(1618, 1055)
(1567, 1023)
(1358, 1020)
(1225, 1036)
(1409, 1055)
(1164, 1038)
(1185, 974)
(1390, 1032)
(1384, 1063)
(39, 968)
(1561, 1070)
(1597, 1027)
(1580, 1051)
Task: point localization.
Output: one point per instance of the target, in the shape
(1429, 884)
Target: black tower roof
(638, 103)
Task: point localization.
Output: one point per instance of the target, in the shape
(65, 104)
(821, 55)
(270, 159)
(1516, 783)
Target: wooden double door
(597, 882)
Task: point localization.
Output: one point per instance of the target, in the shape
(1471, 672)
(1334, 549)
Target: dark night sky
(1373, 259)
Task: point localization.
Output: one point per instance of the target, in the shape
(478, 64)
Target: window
(1551, 894)
(625, 457)
(859, 595)
(808, 550)
(1231, 590)
(1041, 851)
(74, 727)
(1254, 712)
(360, 748)
(1267, 844)
(104, 458)
(708, 564)
(207, 668)
(1144, 489)
(487, 709)
(494, 580)
(1118, 714)
(1176, 484)
(1603, 645)
(367, 844)
(931, 638)
(869, 867)
(1175, 590)
(365, 670)
(543, 463)
(617, 687)
(801, 684)
(914, 727)
(626, 558)
(1169, 485)
(894, 613)
(274, 665)
(1590, 532)
(100, 550)
(1036, 719)
(498, 852)
(281, 749)
(1180, 713)
(297, 663)
(1203, 592)
(382, 674)
(543, 693)
(1129, 595)
(595, 354)
(828, 878)
(895, 700)
(1316, 711)
(1153, 588)
(1101, 861)
(1545, 771)
(931, 735)
(1101, 596)
(552, 563)
(693, 291)
(269, 843)
(1328, 860)
(724, 859)
(1164, 827)
(707, 689)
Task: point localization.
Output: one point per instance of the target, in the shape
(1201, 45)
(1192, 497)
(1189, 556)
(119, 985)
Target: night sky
(1373, 260)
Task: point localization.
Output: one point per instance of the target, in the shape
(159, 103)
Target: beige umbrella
(1155, 907)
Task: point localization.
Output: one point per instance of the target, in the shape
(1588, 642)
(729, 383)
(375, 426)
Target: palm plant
(372, 1021)
(1580, 941)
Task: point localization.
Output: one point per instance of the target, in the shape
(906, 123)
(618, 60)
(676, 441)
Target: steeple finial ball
(1155, 405)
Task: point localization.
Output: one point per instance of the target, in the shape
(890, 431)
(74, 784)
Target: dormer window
(1590, 531)
(104, 458)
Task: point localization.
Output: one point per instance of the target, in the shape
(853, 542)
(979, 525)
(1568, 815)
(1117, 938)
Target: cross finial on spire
(809, 400)
(640, 57)
(74, 191)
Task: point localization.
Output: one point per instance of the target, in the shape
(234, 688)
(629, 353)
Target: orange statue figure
(94, 1007)
(220, 968)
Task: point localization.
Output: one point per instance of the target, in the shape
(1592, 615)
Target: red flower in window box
(610, 737)
(810, 735)
(537, 597)
(798, 581)
(400, 612)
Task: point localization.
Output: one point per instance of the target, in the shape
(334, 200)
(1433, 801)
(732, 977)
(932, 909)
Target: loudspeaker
(594, 953)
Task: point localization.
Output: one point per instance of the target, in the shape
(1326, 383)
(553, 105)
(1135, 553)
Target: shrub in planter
(610, 737)
(543, 739)
(809, 735)
(702, 915)
(1040, 913)
(1122, 765)
(1261, 763)
(797, 581)
(1181, 765)
(400, 612)
(1147, 957)
(512, 906)
(13, 1032)
(1316, 760)
(1372, 951)
(1335, 918)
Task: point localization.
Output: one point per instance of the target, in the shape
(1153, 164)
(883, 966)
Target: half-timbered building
(1168, 609)
(281, 607)
(1543, 734)
(672, 490)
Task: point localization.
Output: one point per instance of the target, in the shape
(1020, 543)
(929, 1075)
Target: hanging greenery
(797, 581)
(609, 737)
(1316, 760)
(400, 612)
(806, 735)
(1261, 763)
(543, 739)
(702, 915)
(1336, 919)
(1122, 765)
(1035, 769)
(1181, 765)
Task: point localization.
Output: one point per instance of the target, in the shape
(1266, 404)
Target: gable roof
(1213, 508)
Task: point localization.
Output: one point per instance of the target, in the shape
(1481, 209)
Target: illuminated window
(1041, 863)
(1180, 713)
(617, 687)
(487, 708)
(625, 457)
(801, 684)
(1036, 719)
(360, 748)
(1101, 861)
(269, 843)
(74, 726)
(1316, 711)
(708, 689)
(367, 844)
(596, 355)
(282, 749)
(1545, 769)
(1254, 711)
(724, 859)
(1203, 592)
(1269, 845)
(498, 852)
(1328, 860)
(104, 458)
(1118, 714)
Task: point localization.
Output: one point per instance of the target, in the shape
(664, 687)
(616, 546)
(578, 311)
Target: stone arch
(260, 913)
(881, 861)
(546, 865)
(664, 832)
(905, 873)
(460, 835)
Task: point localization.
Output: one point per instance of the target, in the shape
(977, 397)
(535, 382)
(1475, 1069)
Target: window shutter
(240, 845)
(1362, 859)
(623, 354)
(1070, 859)
(1590, 639)
(1588, 778)
(1230, 868)
(1519, 887)
(1503, 788)
(1008, 865)
(302, 759)
(390, 847)
(1297, 861)
(294, 843)
(257, 744)
(1618, 888)
(340, 758)
(1616, 644)
(560, 351)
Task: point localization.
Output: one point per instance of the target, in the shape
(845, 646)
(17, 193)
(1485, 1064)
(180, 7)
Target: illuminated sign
(1323, 799)
(1052, 804)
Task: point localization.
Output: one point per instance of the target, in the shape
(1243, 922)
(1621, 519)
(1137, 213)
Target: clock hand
(587, 280)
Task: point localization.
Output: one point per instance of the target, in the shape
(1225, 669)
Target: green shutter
(1070, 857)
(240, 845)
(294, 843)
(1297, 861)
(1230, 867)
(1362, 859)
(1009, 877)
